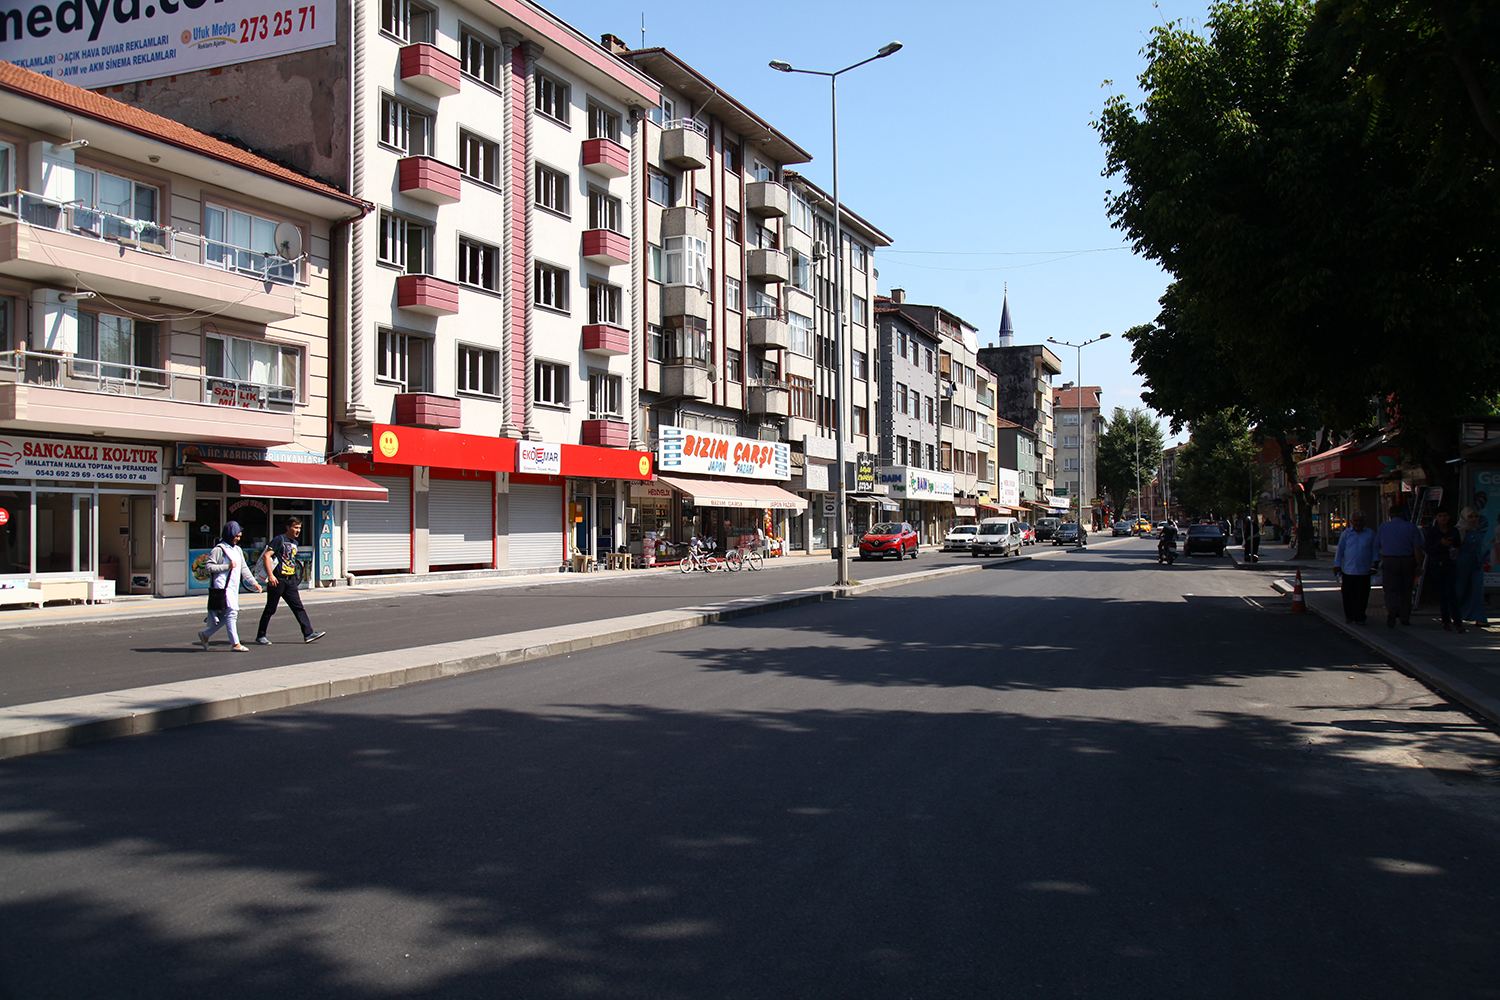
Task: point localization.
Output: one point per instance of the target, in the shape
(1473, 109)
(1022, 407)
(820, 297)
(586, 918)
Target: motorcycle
(1166, 552)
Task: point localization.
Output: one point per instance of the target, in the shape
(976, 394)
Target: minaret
(1007, 335)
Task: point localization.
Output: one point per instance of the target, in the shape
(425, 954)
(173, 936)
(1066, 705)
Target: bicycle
(700, 556)
(742, 556)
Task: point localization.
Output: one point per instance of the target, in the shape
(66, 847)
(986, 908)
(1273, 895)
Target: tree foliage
(1217, 472)
(1129, 452)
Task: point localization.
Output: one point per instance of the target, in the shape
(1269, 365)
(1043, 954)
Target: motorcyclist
(1168, 541)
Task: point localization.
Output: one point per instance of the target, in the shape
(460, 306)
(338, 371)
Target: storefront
(721, 487)
(1343, 480)
(926, 499)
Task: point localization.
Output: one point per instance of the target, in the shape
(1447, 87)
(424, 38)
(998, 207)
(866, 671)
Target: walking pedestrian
(1441, 542)
(1468, 569)
(1397, 543)
(227, 565)
(280, 561)
(1352, 564)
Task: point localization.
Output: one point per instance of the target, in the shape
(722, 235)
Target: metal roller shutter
(460, 523)
(380, 533)
(536, 526)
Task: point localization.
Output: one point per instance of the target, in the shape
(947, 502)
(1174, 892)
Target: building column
(528, 54)
(515, 289)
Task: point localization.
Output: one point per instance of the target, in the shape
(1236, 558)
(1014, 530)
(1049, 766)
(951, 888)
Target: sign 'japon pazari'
(35, 458)
(706, 453)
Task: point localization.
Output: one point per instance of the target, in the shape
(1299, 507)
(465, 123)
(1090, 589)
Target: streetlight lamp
(1082, 481)
(842, 509)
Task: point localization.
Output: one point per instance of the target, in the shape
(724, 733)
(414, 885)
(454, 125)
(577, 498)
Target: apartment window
(653, 262)
(479, 158)
(802, 272)
(902, 398)
(655, 340)
(660, 187)
(480, 57)
(604, 211)
(126, 342)
(406, 360)
(603, 123)
(764, 305)
(552, 98)
(802, 215)
(549, 383)
(606, 396)
(857, 311)
(761, 172)
(825, 411)
(901, 344)
(1070, 442)
(931, 458)
(927, 355)
(405, 127)
(900, 450)
(945, 457)
(253, 361)
(733, 159)
(801, 333)
(687, 343)
(973, 420)
(478, 370)
(732, 294)
(552, 189)
(664, 112)
(762, 238)
(861, 420)
(478, 264)
(405, 244)
(804, 404)
(604, 304)
(239, 241)
(859, 365)
(945, 413)
(928, 413)
(970, 376)
(827, 352)
(550, 286)
(916, 403)
(1070, 465)
(858, 256)
(731, 225)
(1070, 419)
(685, 261)
(408, 21)
(732, 366)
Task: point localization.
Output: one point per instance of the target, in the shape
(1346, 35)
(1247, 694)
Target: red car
(888, 538)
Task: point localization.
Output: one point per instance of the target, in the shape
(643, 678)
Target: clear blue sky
(972, 144)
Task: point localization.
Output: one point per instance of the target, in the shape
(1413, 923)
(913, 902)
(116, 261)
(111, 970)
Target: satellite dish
(288, 239)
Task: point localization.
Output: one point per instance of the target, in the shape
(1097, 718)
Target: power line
(1000, 253)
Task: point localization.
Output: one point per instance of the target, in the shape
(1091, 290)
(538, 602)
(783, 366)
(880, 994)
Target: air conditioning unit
(819, 250)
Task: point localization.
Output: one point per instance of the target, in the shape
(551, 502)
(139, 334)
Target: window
(801, 332)
(1070, 419)
(655, 338)
(927, 410)
(761, 172)
(859, 365)
(603, 123)
(1070, 465)
(687, 343)
(971, 418)
(604, 303)
(731, 225)
(900, 450)
(931, 457)
(762, 238)
(477, 370)
(802, 216)
(551, 286)
(407, 20)
(827, 352)
(480, 57)
(971, 462)
(732, 294)
(407, 128)
(945, 457)
(857, 311)
(685, 261)
(734, 371)
(916, 403)
(406, 360)
(927, 354)
(802, 272)
(858, 256)
(861, 420)
(825, 411)
(945, 412)
(970, 376)
(239, 241)
(478, 264)
(1070, 442)
(732, 158)
(126, 342)
(120, 203)
(765, 305)
(803, 403)
(606, 392)
(660, 189)
(653, 262)
(405, 244)
(550, 383)
(664, 112)
(552, 98)
(552, 189)
(902, 398)
(604, 211)
(901, 344)
(479, 158)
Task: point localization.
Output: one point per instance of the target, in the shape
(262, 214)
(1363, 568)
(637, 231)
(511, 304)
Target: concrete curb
(1479, 702)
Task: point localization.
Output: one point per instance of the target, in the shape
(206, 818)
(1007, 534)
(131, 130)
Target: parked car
(1028, 533)
(997, 536)
(1070, 534)
(1121, 528)
(1047, 526)
(960, 537)
(888, 538)
(1208, 538)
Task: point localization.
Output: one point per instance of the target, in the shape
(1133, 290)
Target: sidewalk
(1464, 667)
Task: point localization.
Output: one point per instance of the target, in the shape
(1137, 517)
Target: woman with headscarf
(1468, 569)
(227, 564)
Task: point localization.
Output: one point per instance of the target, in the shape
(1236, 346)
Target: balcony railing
(68, 371)
(144, 235)
(765, 311)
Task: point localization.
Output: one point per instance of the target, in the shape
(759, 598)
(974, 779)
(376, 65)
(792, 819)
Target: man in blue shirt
(1397, 543)
(1352, 564)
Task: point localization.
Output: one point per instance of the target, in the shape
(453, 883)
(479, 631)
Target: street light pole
(840, 395)
(1082, 479)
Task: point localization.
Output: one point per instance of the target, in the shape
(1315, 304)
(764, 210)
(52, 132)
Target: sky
(971, 147)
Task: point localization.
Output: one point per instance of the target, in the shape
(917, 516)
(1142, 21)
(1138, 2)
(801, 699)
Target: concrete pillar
(421, 480)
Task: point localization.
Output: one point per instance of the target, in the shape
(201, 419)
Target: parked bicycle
(744, 556)
(700, 556)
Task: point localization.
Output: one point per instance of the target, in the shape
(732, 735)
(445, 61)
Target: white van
(997, 536)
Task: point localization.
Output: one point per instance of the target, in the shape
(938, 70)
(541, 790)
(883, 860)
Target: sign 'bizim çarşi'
(101, 43)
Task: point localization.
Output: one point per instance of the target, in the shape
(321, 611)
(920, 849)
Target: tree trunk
(1305, 542)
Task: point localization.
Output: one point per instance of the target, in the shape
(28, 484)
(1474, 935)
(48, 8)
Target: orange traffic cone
(1299, 604)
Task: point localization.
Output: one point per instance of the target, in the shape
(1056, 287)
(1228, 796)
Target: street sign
(830, 508)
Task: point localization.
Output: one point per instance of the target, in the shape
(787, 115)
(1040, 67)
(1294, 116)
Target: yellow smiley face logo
(645, 465)
(389, 444)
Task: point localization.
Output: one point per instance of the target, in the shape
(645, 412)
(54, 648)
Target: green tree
(1130, 447)
(1217, 473)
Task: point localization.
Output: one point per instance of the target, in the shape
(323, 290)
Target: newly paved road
(1081, 777)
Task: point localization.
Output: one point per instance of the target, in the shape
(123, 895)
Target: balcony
(422, 293)
(684, 144)
(46, 241)
(767, 198)
(607, 433)
(687, 380)
(605, 246)
(605, 340)
(66, 394)
(606, 158)
(430, 70)
(684, 301)
(767, 265)
(684, 222)
(767, 329)
(770, 399)
(429, 180)
(423, 409)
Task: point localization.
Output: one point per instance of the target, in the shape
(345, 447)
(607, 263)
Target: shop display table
(617, 560)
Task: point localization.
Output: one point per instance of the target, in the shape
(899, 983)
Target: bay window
(685, 261)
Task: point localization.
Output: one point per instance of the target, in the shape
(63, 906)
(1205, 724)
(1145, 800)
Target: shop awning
(885, 502)
(1349, 461)
(297, 480)
(723, 493)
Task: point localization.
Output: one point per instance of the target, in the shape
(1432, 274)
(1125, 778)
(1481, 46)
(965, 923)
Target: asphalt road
(1083, 777)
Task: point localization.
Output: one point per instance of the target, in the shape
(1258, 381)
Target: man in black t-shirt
(280, 561)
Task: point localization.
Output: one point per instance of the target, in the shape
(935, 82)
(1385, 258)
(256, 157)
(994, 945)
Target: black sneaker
(314, 637)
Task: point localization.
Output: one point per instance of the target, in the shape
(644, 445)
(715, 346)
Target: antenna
(643, 29)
